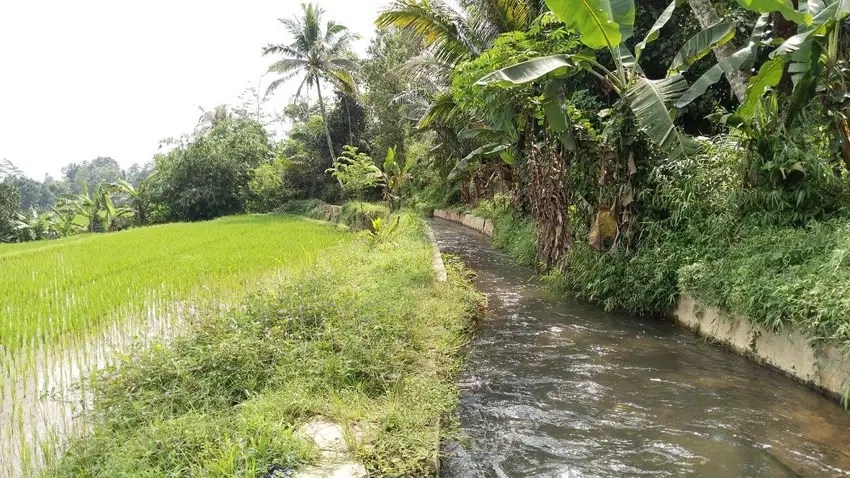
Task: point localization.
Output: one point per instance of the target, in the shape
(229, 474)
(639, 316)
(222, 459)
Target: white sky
(88, 78)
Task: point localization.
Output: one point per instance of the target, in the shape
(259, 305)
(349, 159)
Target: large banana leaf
(700, 45)
(835, 11)
(623, 14)
(804, 70)
(784, 7)
(625, 58)
(531, 70)
(470, 159)
(802, 62)
(557, 119)
(768, 76)
(652, 34)
(592, 19)
(647, 99)
(730, 63)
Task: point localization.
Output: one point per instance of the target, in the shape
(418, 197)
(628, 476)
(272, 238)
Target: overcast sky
(93, 78)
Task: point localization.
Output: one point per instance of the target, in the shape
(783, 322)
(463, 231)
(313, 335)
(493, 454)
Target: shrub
(268, 187)
(300, 207)
(359, 215)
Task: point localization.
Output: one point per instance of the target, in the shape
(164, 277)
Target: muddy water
(560, 389)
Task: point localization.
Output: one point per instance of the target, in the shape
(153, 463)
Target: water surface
(553, 388)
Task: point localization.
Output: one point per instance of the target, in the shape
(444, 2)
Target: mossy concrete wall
(821, 366)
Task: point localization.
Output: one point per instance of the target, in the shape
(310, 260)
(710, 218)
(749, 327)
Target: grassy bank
(70, 305)
(366, 337)
(774, 270)
(354, 214)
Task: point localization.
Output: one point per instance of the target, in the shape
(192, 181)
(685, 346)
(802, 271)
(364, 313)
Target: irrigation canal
(561, 389)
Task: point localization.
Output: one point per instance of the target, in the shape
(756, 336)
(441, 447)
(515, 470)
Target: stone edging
(437, 261)
(484, 226)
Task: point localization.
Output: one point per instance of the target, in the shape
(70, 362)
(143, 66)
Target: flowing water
(553, 388)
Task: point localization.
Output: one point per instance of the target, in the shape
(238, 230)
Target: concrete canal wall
(819, 366)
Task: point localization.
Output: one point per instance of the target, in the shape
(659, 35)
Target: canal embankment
(821, 366)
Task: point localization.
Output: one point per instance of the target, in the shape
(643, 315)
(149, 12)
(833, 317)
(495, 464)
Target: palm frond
(344, 64)
(442, 109)
(332, 30)
(438, 25)
(425, 69)
(489, 18)
(341, 44)
(275, 84)
(287, 50)
(287, 65)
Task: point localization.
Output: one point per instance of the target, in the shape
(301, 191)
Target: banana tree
(395, 175)
(91, 205)
(498, 141)
(87, 206)
(111, 212)
(139, 197)
(65, 215)
(33, 226)
(812, 59)
(607, 25)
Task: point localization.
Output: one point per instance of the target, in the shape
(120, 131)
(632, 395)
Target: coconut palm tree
(210, 118)
(457, 35)
(452, 35)
(319, 53)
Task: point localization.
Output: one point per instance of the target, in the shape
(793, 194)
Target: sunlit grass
(70, 305)
(53, 287)
(364, 336)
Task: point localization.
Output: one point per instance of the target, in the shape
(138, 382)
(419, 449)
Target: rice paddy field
(72, 305)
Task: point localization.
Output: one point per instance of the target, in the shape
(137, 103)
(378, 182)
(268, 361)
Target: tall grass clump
(778, 276)
(366, 337)
(359, 215)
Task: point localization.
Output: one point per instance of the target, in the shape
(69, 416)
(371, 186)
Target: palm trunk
(348, 115)
(325, 120)
(707, 16)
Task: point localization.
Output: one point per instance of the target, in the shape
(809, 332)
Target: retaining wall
(484, 226)
(820, 366)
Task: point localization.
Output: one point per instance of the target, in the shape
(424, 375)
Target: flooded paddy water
(43, 393)
(554, 388)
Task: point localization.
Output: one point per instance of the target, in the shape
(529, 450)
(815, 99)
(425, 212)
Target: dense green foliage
(359, 215)
(209, 177)
(568, 123)
(512, 233)
(579, 155)
(366, 337)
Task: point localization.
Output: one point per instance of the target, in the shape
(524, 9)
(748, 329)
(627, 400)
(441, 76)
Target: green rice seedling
(71, 306)
(366, 336)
